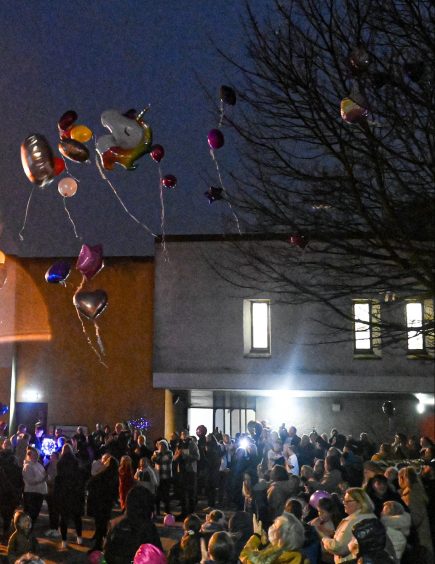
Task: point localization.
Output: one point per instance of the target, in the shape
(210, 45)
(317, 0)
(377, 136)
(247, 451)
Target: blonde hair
(287, 532)
(363, 500)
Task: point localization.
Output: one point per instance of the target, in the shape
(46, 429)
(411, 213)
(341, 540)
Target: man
(118, 442)
(293, 439)
(21, 430)
(186, 458)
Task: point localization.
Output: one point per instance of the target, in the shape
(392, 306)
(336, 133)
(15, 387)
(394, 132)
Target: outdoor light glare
(31, 395)
(420, 407)
(244, 443)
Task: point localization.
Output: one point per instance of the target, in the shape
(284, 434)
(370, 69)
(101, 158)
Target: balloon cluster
(48, 446)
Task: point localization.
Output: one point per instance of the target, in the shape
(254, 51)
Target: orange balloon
(81, 133)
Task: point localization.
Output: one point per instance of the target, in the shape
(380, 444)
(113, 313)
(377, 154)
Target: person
(117, 442)
(286, 536)
(371, 469)
(281, 488)
(311, 547)
(306, 452)
(367, 448)
(162, 458)
(332, 476)
(102, 494)
(291, 460)
(69, 493)
(293, 439)
(23, 441)
(186, 456)
(385, 453)
(397, 523)
(214, 521)
(82, 446)
(415, 498)
(126, 479)
(358, 507)
(221, 548)
(188, 549)
(21, 429)
(38, 436)
(369, 540)
(240, 529)
(22, 539)
(140, 450)
(275, 455)
(11, 486)
(146, 475)
(129, 531)
(330, 514)
(212, 453)
(53, 511)
(379, 491)
(35, 485)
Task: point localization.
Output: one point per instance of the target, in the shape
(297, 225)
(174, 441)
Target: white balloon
(67, 187)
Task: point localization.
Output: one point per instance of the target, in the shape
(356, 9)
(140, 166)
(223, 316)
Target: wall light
(420, 407)
(31, 395)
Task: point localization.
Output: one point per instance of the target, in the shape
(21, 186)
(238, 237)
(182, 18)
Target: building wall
(199, 337)
(65, 371)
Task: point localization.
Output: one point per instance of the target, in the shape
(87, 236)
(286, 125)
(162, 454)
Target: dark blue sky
(91, 56)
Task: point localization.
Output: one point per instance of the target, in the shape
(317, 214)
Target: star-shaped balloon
(90, 260)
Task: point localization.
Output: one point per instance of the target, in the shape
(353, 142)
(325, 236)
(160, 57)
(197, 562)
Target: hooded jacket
(252, 554)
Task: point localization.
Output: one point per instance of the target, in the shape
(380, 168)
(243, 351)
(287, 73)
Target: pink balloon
(95, 557)
(149, 554)
(317, 496)
(169, 520)
(157, 153)
(67, 187)
(215, 139)
(90, 260)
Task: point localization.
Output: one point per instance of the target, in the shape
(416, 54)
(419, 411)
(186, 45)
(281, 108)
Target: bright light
(420, 407)
(31, 395)
(414, 319)
(283, 408)
(260, 325)
(362, 326)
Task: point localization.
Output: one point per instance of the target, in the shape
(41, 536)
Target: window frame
(374, 351)
(248, 329)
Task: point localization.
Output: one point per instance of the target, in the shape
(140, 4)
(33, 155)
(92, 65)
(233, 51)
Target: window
(420, 327)
(366, 316)
(256, 325)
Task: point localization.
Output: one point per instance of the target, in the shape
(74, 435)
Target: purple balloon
(90, 260)
(317, 496)
(58, 272)
(215, 139)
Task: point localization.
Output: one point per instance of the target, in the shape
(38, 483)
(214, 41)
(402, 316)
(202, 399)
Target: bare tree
(336, 121)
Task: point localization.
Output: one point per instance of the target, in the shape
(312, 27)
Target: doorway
(28, 413)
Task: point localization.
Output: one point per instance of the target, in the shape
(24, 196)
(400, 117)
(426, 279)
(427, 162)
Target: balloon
(66, 120)
(129, 140)
(74, 150)
(149, 554)
(37, 159)
(388, 408)
(3, 409)
(95, 557)
(213, 194)
(228, 95)
(59, 166)
(169, 520)
(58, 272)
(90, 304)
(90, 260)
(81, 133)
(215, 139)
(317, 496)
(298, 241)
(201, 431)
(169, 181)
(359, 59)
(157, 153)
(352, 112)
(3, 275)
(67, 187)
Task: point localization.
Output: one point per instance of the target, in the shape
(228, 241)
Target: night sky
(91, 56)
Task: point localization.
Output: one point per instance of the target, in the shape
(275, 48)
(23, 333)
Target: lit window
(256, 318)
(366, 317)
(414, 324)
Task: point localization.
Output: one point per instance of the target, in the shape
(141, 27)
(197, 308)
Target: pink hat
(149, 554)
(169, 520)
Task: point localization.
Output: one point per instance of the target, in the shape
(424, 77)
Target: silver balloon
(37, 159)
(90, 304)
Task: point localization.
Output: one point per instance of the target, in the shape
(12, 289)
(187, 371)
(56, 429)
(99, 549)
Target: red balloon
(59, 166)
(215, 139)
(66, 120)
(201, 431)
(157, 153)
(169, 181)
(298, 241)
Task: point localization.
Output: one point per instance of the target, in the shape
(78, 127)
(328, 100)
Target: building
(229, 356)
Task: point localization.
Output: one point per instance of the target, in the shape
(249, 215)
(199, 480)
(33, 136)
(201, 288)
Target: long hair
(363, 500)
(190, 543)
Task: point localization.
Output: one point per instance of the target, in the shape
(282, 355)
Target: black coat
(125, 536)
(102, 492)
(69, 486)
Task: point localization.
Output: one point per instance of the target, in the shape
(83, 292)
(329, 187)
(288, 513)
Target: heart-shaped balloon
(90, 304)
(58, 272)
(90, 260)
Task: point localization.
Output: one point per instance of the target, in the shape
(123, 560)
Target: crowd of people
(272, 496)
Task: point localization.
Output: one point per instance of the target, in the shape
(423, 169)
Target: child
(22, 539)
(188, 549)
(146, 475)
(397, 523)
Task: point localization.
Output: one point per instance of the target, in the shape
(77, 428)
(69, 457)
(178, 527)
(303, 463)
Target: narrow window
(362, 315)
(414, 324)
(256, 327)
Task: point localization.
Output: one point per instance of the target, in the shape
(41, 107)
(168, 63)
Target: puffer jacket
(398, 528)
(252, 554)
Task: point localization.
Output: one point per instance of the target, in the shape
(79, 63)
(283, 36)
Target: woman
(332, 476)
(306, 452)
(415, 498)
(330, 515)
(69, 493)
(35, 485)
(188, 549)
(128, 532)
(126, 479)
(282, 487)
(212, 465)
(379, 491)
(385, 453)
(286, 537)
(162, 458)
(358, 507)
(102, 494)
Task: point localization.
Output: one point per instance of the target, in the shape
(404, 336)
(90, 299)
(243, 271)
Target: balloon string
(69, 173)
(70, 218)
(104, 177)
(162, 216)
(99, 339)
(89, 340)
(20, 234)
(226, 193)
(221, 118)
